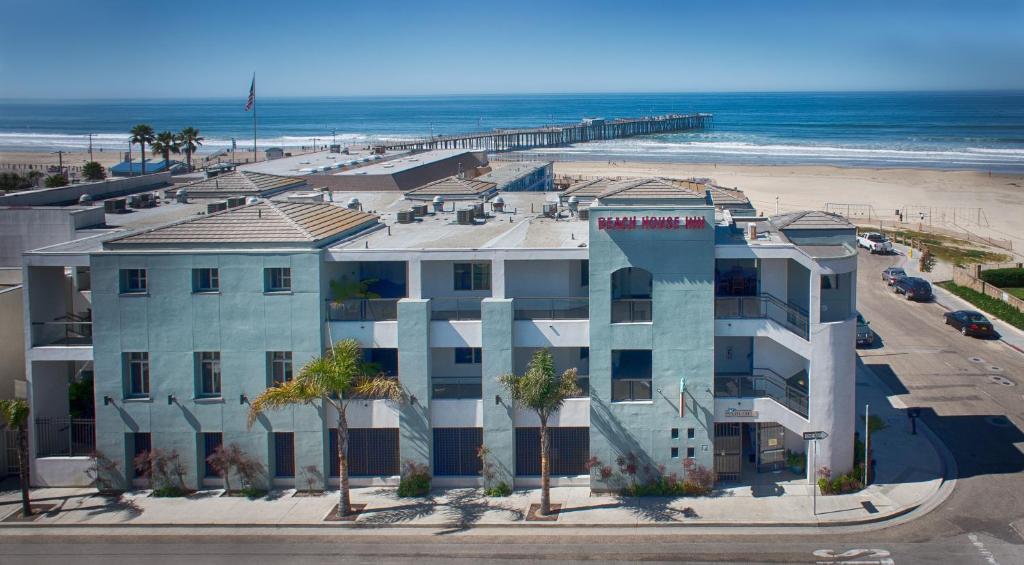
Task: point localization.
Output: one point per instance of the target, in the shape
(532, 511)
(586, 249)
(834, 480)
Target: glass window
(675, 433)
(690, 433)
(278, 279)
(208, 363)
(136, 367)
(205, 280)
(675, 452)
(284, 455)
(468, 356)
(211, 441)
(280, 366)
(631, 374)
(829, 282)
(584, 273)
(133, 281)
(472, 276)
(690, 452)
(139, 443)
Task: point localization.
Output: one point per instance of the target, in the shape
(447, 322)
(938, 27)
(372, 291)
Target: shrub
(927, 261)
(1004, 278)
(226, 459)
(103, 472)
(499, 490)
(635, 479)
(93, 171)
(14, 181)
(415, 480)
(163, 470)
(56, 181)
(996, 308)
(312, 476)
(796, 460)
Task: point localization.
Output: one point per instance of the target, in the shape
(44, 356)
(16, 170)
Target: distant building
(404, 173)
(274, 153)
(133, 168)
(525, 176)
(242, 183)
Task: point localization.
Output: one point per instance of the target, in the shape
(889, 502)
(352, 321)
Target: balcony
(68, 330)
(363, 310)
(455, 309)
(627, 310)
(65, 437)
(552, 308)
(764, 306)
(764, 383)
(453, 388)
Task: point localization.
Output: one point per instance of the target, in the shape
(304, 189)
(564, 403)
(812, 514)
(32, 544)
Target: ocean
(946, 130)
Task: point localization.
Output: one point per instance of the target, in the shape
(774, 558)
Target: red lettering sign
(652, 223)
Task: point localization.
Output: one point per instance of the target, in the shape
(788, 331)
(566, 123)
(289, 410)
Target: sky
(185, 49)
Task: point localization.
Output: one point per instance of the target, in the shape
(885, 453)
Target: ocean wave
(20, 141)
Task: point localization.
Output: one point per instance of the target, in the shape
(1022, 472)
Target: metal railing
(70, 329)
(552, 308)
(8, 452)
(455, 308)
(763, 306)
(764, 383)
(65, 437)
(625, 310)
(456, 387)
(362, 309)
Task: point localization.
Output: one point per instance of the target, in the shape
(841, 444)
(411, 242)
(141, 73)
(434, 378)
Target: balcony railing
(65, 437)
(764, 383)
(625, 310)
(455, 308)
(763, 306)
(362, 310)
(456, 388)
(552, 308)
(70, 329)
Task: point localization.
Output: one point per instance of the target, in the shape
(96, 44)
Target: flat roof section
(407, 163)
(318, 162)
(506, 173)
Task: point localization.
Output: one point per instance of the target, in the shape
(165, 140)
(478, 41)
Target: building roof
(810, 220)
(242, 183)
(135, 167)
(453, 187)
(588, 188)
(723, 196)
(652, 188)
(511, 172)
(261, 222)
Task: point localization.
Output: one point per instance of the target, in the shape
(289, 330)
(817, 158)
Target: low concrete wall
(98, 190)
(62, 472)
(963, 277)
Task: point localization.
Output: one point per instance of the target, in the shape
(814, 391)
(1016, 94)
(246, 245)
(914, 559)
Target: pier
(560, 135)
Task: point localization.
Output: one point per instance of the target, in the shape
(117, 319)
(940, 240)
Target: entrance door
(728, 451)
(771, 450)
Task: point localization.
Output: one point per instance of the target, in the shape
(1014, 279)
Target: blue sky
(115, 49)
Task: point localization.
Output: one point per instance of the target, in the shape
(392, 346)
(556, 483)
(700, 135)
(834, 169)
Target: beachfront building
(696, 334)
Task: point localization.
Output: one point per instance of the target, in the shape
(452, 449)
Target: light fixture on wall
(497, 399)
(242, 398)
(170, 399)
(412, 399)
(107, 401)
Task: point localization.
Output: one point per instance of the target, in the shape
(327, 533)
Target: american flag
(252, 95)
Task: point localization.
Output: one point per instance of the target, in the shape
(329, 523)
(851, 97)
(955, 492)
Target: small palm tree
(34, 176)
(190, 141)
(14, 414)
(544, 392)
(141, 135)
(165, 143)
(333, 379)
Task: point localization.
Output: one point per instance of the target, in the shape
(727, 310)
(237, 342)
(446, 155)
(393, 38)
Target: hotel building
(698, 331)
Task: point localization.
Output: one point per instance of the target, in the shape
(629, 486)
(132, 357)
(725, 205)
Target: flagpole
(255, 155)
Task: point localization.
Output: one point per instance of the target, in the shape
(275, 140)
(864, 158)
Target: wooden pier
(560, 135)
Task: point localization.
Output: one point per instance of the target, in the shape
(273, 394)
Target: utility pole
(90, 147)
(867, 443)
(777, 206)
(334, 135)
(60, 163)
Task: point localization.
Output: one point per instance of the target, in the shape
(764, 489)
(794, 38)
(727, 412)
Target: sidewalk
(909, 474)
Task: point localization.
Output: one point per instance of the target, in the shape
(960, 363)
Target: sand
(989, 205)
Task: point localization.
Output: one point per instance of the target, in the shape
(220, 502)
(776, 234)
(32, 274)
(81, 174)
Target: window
(690, 433)
(468, 356)
(138, 443)
(284, 455)
(675, 453)
(280, 366)
(455, 451)
(278, 279)
(382, 360)
(133, 281)
(372, 452)
(829, 282)
(675, 433)
(205, 280)
(208, 373)
(585, 273)
(631, 374)
(584, 353)
(210, 442)
(570, 448)
(136, 371)
(472, 276)
(690, 452)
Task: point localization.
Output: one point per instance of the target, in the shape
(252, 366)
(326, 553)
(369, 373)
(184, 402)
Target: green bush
(997, 308)
(499, 490)
(1004, 278)
(415, 480)
(168, 492)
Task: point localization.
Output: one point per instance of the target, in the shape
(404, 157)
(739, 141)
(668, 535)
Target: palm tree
(544, 392)
(190, 141)
(165, 143)
(334, 379)
(14, 414)
(142, 134)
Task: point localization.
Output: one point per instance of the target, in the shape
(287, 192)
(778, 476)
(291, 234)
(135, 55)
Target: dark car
(893, 274)
(913, 288)
(865, 335)
(970, 322)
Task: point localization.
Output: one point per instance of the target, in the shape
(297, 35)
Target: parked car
(893, 274)
(874, 242)
(865, 335)
(970, 322)
(914, 288)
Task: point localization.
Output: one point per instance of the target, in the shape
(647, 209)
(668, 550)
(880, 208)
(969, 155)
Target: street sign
(815, 435)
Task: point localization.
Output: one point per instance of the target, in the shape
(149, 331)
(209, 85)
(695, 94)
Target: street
(960, 384)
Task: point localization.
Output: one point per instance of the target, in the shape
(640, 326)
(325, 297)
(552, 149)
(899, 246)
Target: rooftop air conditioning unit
(236, 201)
(419, 210)
(406, 216)
(465, 217)
(478, 210)
(584, 214)
(213, 207)
(550, 209)
(115, 206)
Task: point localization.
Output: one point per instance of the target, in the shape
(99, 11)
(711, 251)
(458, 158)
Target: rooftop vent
(181, 196)
(84, 199)
(574, 204)
(465, 217)
(354, 204)
(406, 216)
(438, 203)
(752, 231)
(251, 200)
(498, 204)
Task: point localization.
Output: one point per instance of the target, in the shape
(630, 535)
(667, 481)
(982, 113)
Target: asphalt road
(926, 363)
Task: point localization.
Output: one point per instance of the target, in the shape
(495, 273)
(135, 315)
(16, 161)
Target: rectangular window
(472, 276)
(280, 366)
(690, 452)
(208, 373)
(284, 455)
(205, 280)
(211, 441)
(382, 360)
(372, 452)
(570, 448)
(675, 433)
(829, 282)
(675, 453)
(133, 281)
(584, 273)
(138, 443)
(690, 433)
(631, 374)
(468, 356)
(278, 279)
(136, 374)
(455, 451)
